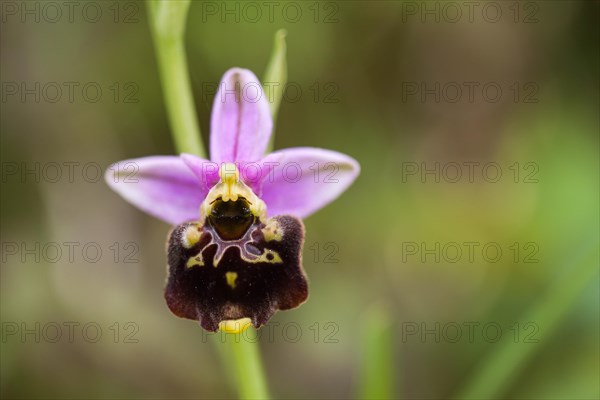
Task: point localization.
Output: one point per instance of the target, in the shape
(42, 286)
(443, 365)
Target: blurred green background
(352, 66)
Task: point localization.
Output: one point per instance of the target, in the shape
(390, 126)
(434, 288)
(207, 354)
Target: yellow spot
(190, 236)
(196, 261)
(272, 231)
(235, 325)
(271, 256)
(231, 278)
(268, 256)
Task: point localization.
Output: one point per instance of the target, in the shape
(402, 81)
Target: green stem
(174, 77)
(247, 365)
(167, 22)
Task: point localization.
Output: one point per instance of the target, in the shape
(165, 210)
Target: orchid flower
(235, 253)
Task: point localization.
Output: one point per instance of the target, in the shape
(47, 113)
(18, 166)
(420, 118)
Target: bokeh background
(375, 301)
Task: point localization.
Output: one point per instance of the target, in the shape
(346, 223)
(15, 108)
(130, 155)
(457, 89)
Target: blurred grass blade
(376, 380)
(167, 23)
(275, 77)
(509, 357)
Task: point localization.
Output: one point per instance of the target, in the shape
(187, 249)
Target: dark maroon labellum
(235, 266)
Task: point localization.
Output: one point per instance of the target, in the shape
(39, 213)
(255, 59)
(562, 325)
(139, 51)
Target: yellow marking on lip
(190, 236)
(268, 256)
(196, 261)
(271, 256)
(235, 325)
(231, 277)
(272, 231)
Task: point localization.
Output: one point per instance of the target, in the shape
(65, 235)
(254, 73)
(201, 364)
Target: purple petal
(163, 186)
(206, 171)
(254, 173)
(305, 179)
(241, 122)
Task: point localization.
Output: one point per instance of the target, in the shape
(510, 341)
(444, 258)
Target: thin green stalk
(247, 365)
(167, 22)
(509, 357)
